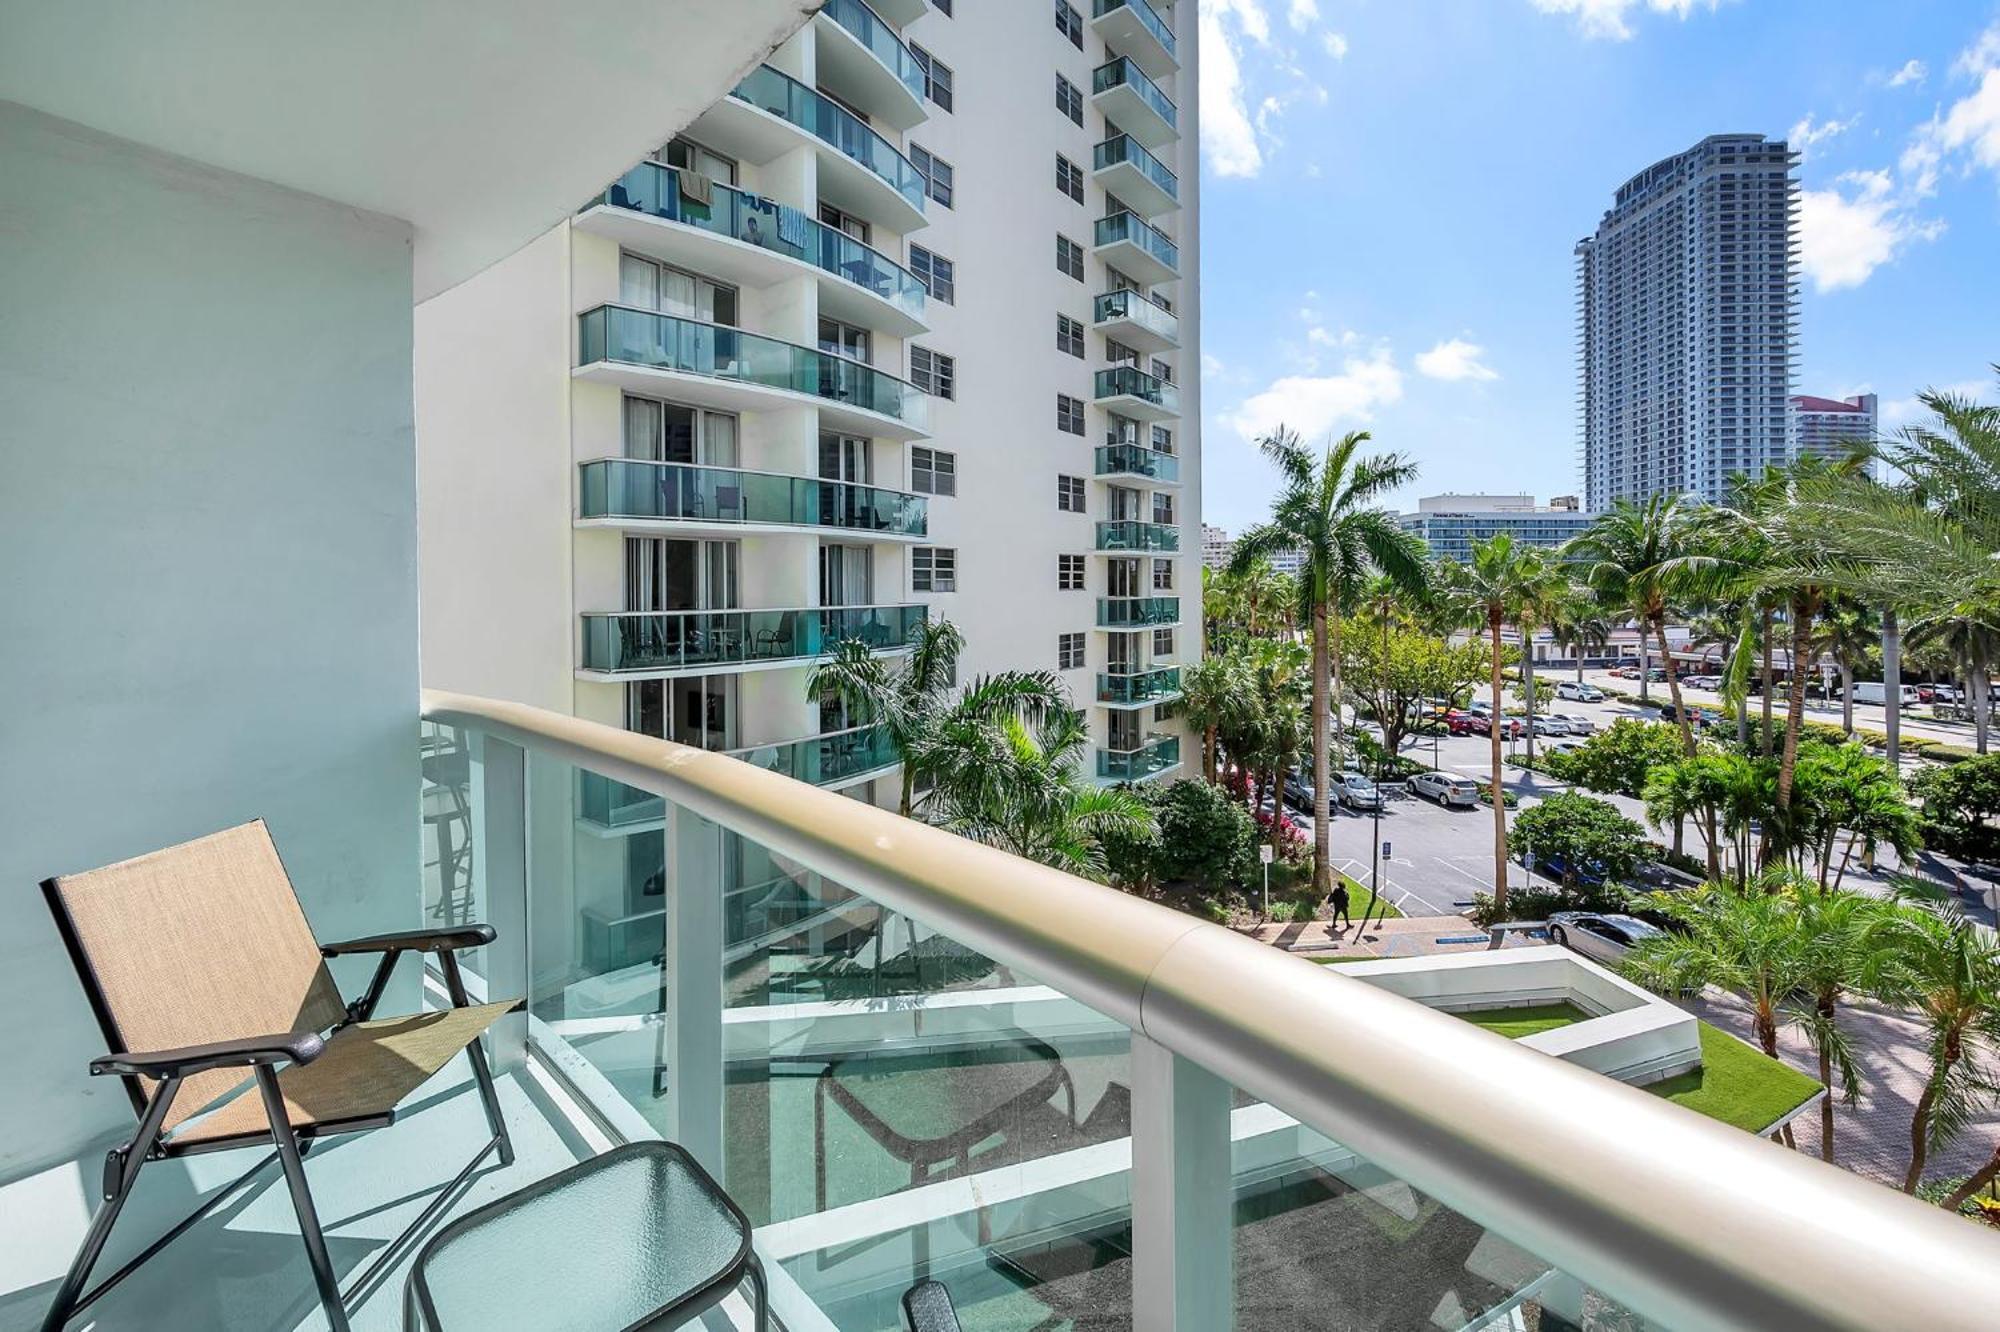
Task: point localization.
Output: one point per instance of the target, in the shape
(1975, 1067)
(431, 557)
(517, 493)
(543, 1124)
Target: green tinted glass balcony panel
(834, 125)
(1137, 460)
(1125, 73)
(1143, 19)
(1128, 226)
(650, 641)
(1123, 149)
(1137, 612)
(881, 41)
(687, 346)
(1131, 307)
(1159, 753)
(1127, 381)
(612, 804)
(1146, 687)
(824, 759)
(679, 492)
(656, 191)
(1127, 534)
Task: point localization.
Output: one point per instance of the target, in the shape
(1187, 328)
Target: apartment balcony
(634, 495)
(1122, 166)
(771, 113)
(835, 760)
(1136, 460)
(1132, 245)
(1116, 690)
(1123, 534)
(1130, 391)
(863, 59)
(1134, 103)
(1138, 612)
(713, 365)
(1156, 754)
(1135, 319)
(651, 645)
(902, 11)
(756, 242)
(1134, 28)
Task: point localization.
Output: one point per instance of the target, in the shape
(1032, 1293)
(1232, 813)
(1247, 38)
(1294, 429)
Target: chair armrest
(415, 941)
(298, 1047)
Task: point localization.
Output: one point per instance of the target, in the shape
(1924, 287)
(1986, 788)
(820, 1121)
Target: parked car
(1603, 938)
(1703, 681)
(1513, 726)
(1626, 672)
(1874, 691)
(1578, 723)
(1356, 791)
(1550, 723)
(1579, 692)
(1563, 747)
(1447, 788)
(1696, 716)
(1299, 790)
(1464, 721)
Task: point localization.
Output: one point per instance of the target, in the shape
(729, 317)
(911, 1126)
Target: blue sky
(1391, 190)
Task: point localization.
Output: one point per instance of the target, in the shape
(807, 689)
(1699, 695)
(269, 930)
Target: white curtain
(719, 442)
(642, 429)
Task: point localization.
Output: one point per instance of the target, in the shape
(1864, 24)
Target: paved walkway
(1402, 937)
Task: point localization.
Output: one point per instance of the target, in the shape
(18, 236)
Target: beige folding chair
(205, 977)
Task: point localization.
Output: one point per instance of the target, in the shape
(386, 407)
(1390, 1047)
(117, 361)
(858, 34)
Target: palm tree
(1327, 510)
(1849, 631)
(1577, 626)
(1544, 594)
(1842, 790)
(1839, 962)
(1216, 693)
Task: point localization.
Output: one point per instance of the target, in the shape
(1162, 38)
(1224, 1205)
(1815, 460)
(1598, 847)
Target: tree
(1585, 834)
(1843, 790)
(1961, 808)
(1394, 672)
(1852, 635)
(1734, 790)
(1205, 838)
(1217, 695)
(1838, 962)
(1577, 626)
(1615, 761)
(1327, 511)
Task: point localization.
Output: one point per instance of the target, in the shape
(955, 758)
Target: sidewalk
(1412, 936)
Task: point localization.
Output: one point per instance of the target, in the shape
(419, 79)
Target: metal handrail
(1684, 1220)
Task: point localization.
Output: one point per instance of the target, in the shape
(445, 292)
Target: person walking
(1338, 899)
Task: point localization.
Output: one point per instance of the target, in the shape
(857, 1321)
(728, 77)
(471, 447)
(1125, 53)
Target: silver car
(1605, 938)
(1578, 724)
(1447, 788)
(1354, 790)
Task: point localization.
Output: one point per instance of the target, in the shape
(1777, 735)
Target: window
(1069, 257)
(942, 6)
(1163, 575)
(843, 339)
(934, 372)
(1069, 652)
(1069, 100)
(1069, 494)
(1163, 507)
(937, 76)
(1162, 371)
(1069, 573)
(1163, 642)
(1069, 23)
(933, 569)
(1069, 414)
(1069, 335)
(937, 173)
(1069, 178)
(933, 471)
(1163, 438)
(939, 275)
(845, 223)
(1118, 353)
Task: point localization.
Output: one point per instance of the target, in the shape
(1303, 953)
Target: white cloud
(1862, 222)
(1455, 359)
(1304, 13)
(1805, 134)
(1607, 18)
(1894, 413)
(1913, 72)
(1314, 404)
(1227, 139)
(1973, 123)
(1335, 44)
(1245, 66)
(1982, 55)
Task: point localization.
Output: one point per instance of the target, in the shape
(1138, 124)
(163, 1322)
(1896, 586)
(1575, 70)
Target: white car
(1447, 788)
(1579, 692)
(1563, 747)
(1551, 724)
(1604, 938)
(1578, 724)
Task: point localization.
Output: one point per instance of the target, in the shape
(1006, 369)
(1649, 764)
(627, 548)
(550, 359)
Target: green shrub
(1961, 806)
(1950, 753)
(1617, 759)
(1581, 830)
(1205, 838)
(1539, 903)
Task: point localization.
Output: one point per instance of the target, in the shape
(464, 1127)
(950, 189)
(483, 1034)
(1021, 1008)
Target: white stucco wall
(208, 564)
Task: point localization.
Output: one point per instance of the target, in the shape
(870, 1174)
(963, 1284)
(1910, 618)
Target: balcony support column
(690, 1049)
(500, 882)
(1183, 1195)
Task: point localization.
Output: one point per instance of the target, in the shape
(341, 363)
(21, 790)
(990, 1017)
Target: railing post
(1183, 1195)
(692, 1047)
(500, 881)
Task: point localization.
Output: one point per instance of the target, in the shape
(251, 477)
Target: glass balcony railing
(656, 191)
(1144, 687)
(1151, 21)
(881, 40)
(680, 640)
(1131, 534)
(1128, 381)
(1124, 72)
(832, 124)
(667, 342)
(612, 804)
(1127, 226)
(1137, 460)
(1155, 755)
(1137, 612)
(1123, 148)
(1134, 308)
(824, 759)
(680, 492)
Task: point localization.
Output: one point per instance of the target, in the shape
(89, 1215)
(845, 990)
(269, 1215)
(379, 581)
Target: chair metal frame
(259, 1056)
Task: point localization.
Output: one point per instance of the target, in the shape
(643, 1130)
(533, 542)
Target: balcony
(657, 644)
(633, 494)
(1137, 690)
(1136, 460)
(1133, 246)
(833, 760)
(1132, 28)
(1136, 320)
(1130, 391)
(1134, 103)
(1122, 534)
(756, 242)
(863, 59)
(1156, 754)
(1138, 612)
(716, 366)
(1137, 177)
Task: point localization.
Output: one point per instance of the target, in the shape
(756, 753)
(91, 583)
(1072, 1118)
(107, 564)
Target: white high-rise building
(1829, 427)
(1216, 547)
(1450, 524)
(1685, 304)
(895, 331)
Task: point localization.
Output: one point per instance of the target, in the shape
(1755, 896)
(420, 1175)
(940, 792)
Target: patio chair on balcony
(203, 975)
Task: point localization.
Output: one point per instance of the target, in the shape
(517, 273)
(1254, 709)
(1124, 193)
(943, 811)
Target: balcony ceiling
(482, 123)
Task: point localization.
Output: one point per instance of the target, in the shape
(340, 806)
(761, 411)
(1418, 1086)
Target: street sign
(1266, 853)
(1385, 852)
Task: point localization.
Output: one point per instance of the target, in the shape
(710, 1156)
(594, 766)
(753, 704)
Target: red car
(1460, 722)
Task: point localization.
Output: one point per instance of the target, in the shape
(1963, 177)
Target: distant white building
(1828, 427)
(1216, 547)
(1449, 524)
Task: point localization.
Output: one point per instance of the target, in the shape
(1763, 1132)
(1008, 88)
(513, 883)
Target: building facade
(1216, 547)
(1830, 427)
(1449, 524)
(893, 333)
(1686, 303)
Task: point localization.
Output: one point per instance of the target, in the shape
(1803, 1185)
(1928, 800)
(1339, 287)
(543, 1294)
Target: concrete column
(500, 881)
(1183, 1198)
(691, 1045)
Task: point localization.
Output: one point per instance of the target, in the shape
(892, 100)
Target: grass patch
(1738, 1084)
(1336, 961)
(1360, 901)
(1526, 1020)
